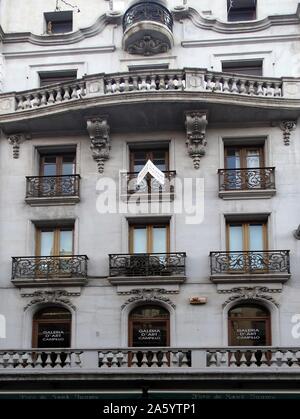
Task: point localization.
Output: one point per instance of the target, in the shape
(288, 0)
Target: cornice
(210, 23)
(62, 39)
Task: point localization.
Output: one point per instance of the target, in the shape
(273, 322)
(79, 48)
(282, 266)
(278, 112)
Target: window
(158, 155)
(149, 325)
(249, 325)
(52, 164)
(247, 67)
(246, 236)
(52, 329)
(59, 22)
(149, 238)
(238, 10)
(50, 77)
(54, 241)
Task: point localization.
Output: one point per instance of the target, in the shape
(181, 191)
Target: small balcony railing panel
(251, 262)
(49, 267)
(52, 186)
(147, 264)
(147, 11)
(247, 179)
(148, 186)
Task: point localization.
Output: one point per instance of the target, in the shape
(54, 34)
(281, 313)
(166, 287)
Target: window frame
(56, 238)
(149, 232)
(246, 236)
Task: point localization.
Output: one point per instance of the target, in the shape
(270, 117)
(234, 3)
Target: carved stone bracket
(196, 122)
(250, 293)
(98, 130)
(15, 140)
(148, 295)
(53, 297)
(287, 127)
(148, 46)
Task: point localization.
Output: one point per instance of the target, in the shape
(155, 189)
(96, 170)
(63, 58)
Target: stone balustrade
(226, 359)
(143, 81)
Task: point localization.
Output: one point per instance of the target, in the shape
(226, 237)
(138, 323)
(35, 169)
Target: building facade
(111, 282)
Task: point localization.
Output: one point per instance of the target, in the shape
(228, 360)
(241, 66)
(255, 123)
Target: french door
(56, 174)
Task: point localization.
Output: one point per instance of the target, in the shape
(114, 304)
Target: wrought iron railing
(258, 178)
(148, 186)
(152, 11)
(264, 261)
(52, 186)
(29, 267)
(147, 264)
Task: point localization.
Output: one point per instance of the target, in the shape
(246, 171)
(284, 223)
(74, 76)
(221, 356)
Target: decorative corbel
(297, 233)
(196, 122)
(98, 130)
(287, 127)
(15, 140)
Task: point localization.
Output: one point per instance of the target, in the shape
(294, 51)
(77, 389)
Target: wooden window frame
(59, 162)
(246, 235)
(56, 246)
(243, 154)
(267, 319)
(149, 232)
(149, 156)
(36, 322)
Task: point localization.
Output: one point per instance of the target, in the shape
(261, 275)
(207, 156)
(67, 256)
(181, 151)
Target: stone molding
(287, 127)
(15, 140)
(250, 293)
(53, 296)
(149, 295)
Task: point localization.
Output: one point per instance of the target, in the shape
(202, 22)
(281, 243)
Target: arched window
(249, 325)
(149, 325)
(52, 328)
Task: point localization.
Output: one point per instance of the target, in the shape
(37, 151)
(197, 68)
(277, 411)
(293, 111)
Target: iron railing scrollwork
(147, 264)
(52, 186)
(259, 178)
(264, 261)
(143, 11)
(148, 186)
(29, 267)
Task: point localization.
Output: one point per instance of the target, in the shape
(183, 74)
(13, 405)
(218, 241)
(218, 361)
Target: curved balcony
(147, 27)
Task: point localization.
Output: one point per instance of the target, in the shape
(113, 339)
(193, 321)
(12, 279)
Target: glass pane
(159, 240)
(49, 166)
(235, 238)
(232, 159)
(54, 335)
(139, 160)
(256, 241)
(149, 311)
(68, 165)
(149, 333)
(66, 242)
(140, 240)
(248, 311)
(248, 332)
(159, 159)
(47, 243)
(253, 159)
(53, 313)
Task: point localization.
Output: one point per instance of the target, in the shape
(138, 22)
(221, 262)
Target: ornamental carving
(148, 46)
(250, 293)
(99, 130)
(287, 127)
(52, 297)
(149, 295)
(196, 122)
(15, 140)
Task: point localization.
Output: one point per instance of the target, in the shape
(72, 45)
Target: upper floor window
(54, 241)
(149, 238)
(140, 155)
(237, 157)
(63, 76)
(238, 10)
(59, 22)
(52, 164)
(247, 67)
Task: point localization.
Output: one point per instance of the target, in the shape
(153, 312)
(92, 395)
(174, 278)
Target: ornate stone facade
(99, 130)
(196, 123)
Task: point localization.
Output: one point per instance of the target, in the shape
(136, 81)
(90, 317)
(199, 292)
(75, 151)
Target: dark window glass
(59, 22)
(50, 77)
(52, 328)
(239, 10)
(250, 68)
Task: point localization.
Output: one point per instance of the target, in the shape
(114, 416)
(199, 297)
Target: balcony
(52, 190)
(247, 183)
(147, 268)
(251, 266)
(49, 270)
(145, 95)
(151, 363)
(147, 27)
(149, 189)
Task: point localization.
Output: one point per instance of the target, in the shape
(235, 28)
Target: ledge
(41, 282)
(50, 201)
(252, 278)
(146, 280)
(247, 194)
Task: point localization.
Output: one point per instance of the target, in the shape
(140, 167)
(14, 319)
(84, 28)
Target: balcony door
(139, 157)
(51, 242)
(244, 163)
(244, 238)
(56, 173)
(149, 238)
